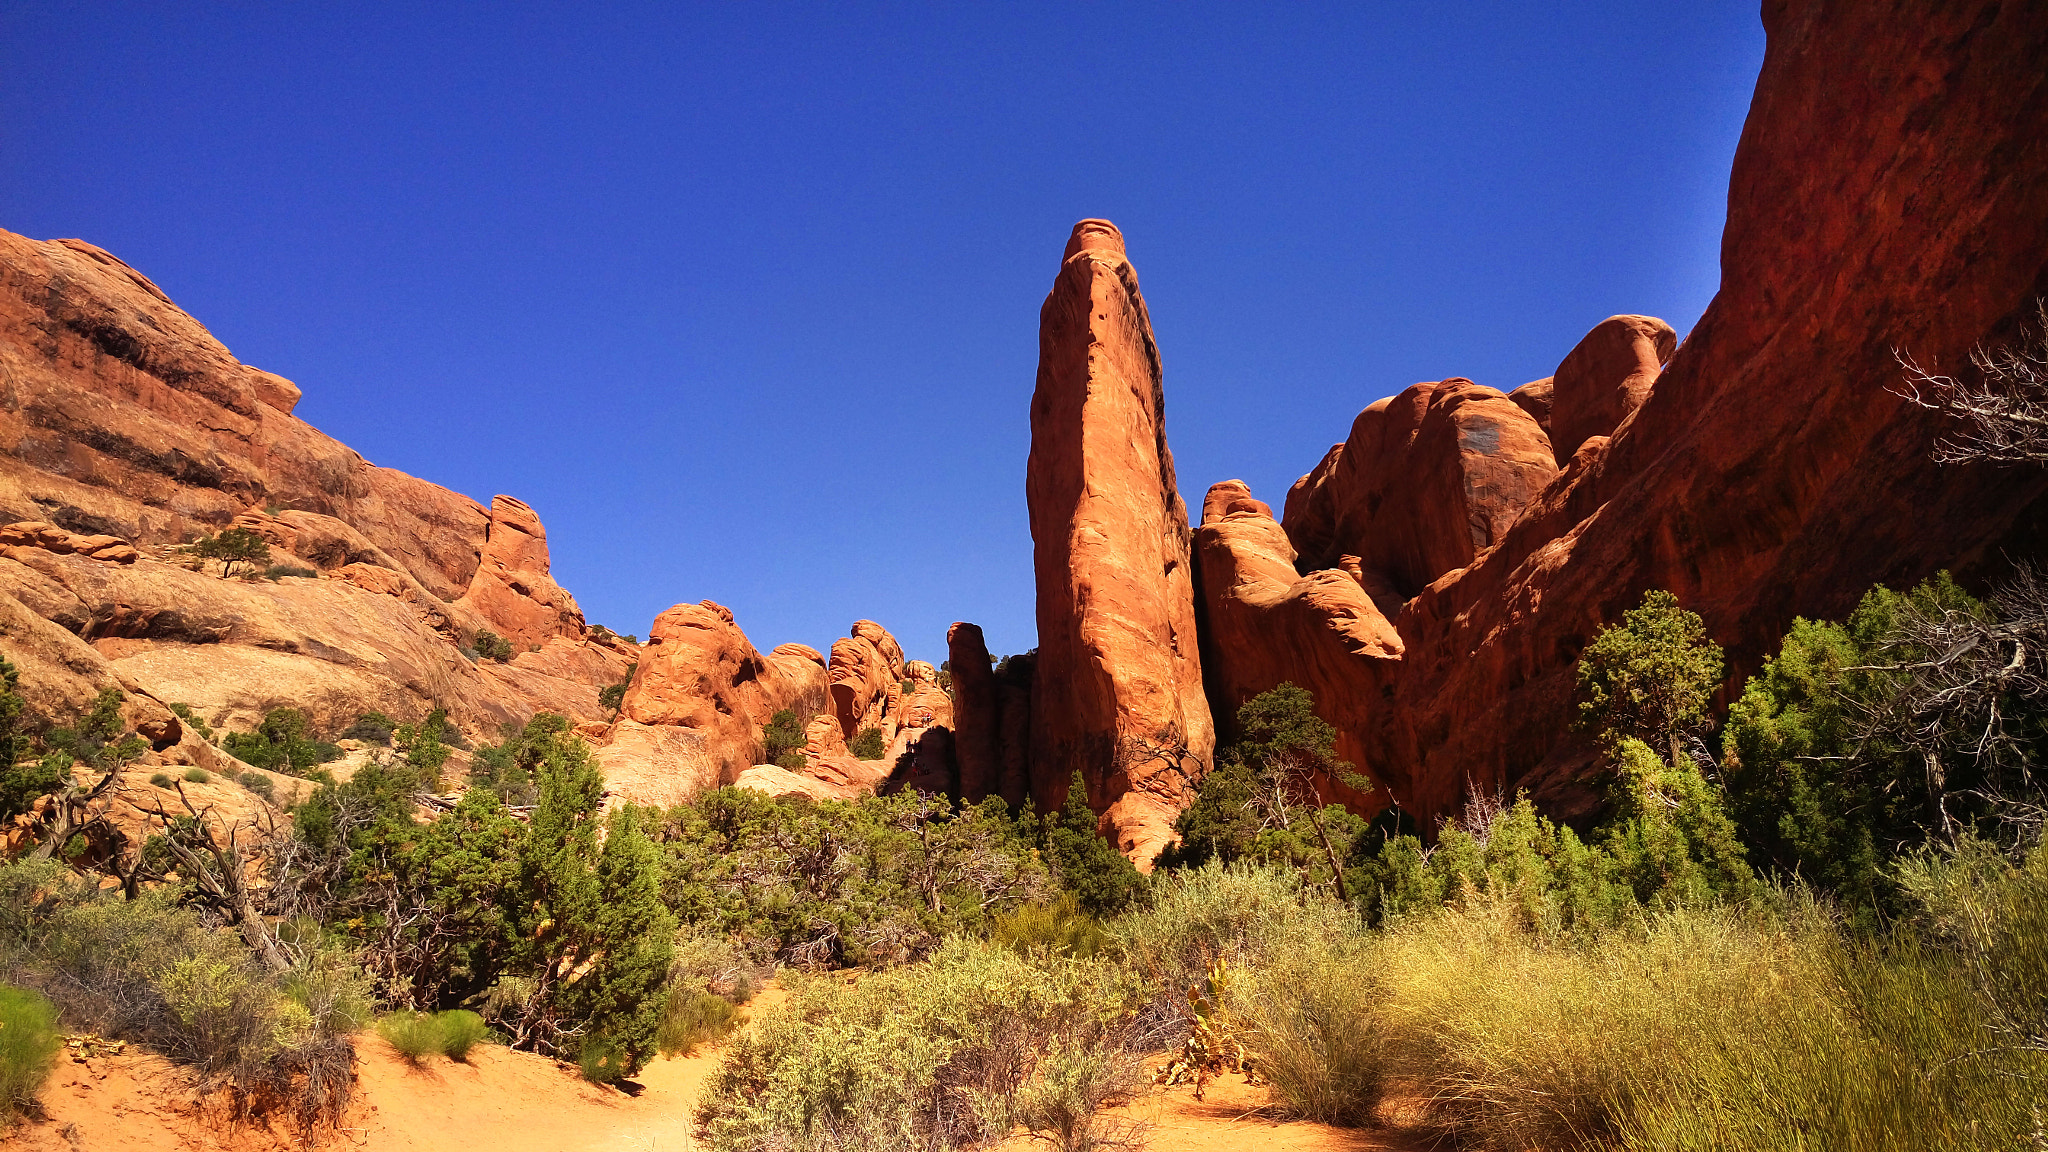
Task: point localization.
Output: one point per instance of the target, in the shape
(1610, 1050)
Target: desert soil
(503, 1101)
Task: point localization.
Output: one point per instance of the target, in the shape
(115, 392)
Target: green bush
(1058, 927)
(28, 1048)
(1099, 876)
(867, 745)
(491, 646)
(233, 547)
(601, 1062)
(277, 571)
(783, 738)
(162, 780)
(283, 742)
(1313, 1015)
(461, 1030)
(196, 775)
(260, 784)
(956, 1053)
(371, 728)
(692, 1016)
(413, 1035)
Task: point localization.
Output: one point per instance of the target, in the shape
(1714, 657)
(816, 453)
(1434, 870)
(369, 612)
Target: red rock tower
(1117, 693)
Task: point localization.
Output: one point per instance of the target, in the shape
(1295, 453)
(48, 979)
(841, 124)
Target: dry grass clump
(418, 1035)
(28, 1048)
(150, 971)
(955, 1053)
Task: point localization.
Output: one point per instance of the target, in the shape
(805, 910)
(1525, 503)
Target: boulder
(512, 589)
(1118, 696)
(699, 673)
(1605, 378)
(1427, 480)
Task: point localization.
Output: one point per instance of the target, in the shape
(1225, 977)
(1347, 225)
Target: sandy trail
(504, 1101)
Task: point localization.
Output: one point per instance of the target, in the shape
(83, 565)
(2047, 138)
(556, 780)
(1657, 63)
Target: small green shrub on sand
(197, 776)
(28, 1048)
(415, 1035)
(1058, 927)
(461, 1030)
(693, 1016)
(162, 780)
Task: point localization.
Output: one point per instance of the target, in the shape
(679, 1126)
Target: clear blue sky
(744, 298)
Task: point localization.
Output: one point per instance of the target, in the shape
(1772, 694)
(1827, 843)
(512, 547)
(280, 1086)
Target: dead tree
(1959, 680)
(217, 877)
(2001, 404)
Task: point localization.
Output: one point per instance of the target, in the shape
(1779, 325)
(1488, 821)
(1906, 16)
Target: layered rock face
(512, 588)
(1888, 192)
(127, 428)
(701, 695)
(127, 418)
(1118, 694)
(992, 719)
(1426, 481)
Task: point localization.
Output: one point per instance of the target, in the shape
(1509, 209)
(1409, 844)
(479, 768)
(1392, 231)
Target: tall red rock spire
(1117, 693)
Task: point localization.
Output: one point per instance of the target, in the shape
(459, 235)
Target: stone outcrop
(512, 588)
(1264, 625)
(128, 429)
(1605, 379)
(1427, 480)
(127, 418)
(1887, 193)
(866, 673)
(1118, 696)
(705, 682)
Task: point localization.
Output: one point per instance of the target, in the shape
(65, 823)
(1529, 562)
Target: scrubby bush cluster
(283, 742)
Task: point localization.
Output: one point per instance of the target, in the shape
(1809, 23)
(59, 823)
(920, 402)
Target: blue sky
(743, 299)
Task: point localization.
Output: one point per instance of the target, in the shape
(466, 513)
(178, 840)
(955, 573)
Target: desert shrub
(955, 1053)
(1239, 914)
(1058, 926)
(194, 721)
(283, 742)
(867, 744)
(693, 1015)
(491, 646)
(613, 696)
(28, 1048)
(719, 963)
(1650, 676)
(1102, 880)
(197, 776)
(233, 547)
(371, 727)
(150, 971)
(260, 784)
(508, 767)
(278, 571)
(413, 1035)
(874, 881)
(601, 1062)
(1313, 1016)
(784, 739)
(162, 780)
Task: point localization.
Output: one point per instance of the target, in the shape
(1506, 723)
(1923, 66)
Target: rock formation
(1264, 625)
(1426, 481)
(708, 691)
(1887, 193)
(1118, 696)
(128, 430)
(1605, 379)
(512, 588)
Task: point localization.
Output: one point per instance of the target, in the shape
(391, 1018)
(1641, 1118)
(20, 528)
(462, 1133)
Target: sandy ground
(503, 1101)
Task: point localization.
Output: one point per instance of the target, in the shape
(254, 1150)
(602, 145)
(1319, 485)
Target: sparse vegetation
(192, 720)
(867, 744)
(28, 1049)
(197, 776)
(235, 548)
(162, 780)
(784, 739)
(491, 646)
(283, 742)
(612, 697)
(277, 572)
(371, 728)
